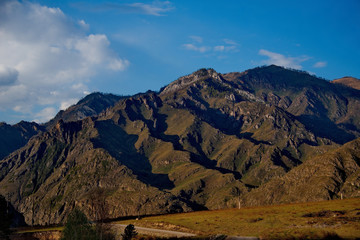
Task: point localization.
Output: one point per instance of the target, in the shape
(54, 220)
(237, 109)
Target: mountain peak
(91, 105)
(201, 74)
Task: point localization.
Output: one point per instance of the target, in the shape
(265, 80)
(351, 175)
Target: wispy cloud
(282, 60)
(320, 64)
(192, 47)
(196, 39)
(45, 114)
(196, 45)
(219, 48)
(47, 59)
(156, 8)
(230, 42)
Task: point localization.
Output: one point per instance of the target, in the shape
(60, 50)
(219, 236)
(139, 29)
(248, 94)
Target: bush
(129, 232)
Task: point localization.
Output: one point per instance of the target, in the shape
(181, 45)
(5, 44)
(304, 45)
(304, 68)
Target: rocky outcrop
(183, 82)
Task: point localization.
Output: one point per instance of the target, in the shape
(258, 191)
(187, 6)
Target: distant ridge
(91, 105)
(348, 81)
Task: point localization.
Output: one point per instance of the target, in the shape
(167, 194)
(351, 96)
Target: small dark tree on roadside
(78, 227)
(129, 232)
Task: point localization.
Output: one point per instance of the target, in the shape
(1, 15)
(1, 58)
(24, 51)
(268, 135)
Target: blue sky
(52, 53)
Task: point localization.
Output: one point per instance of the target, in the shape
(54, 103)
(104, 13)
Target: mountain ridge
(200, 143)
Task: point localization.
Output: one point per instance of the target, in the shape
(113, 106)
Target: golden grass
(292, 221)
(38, 229)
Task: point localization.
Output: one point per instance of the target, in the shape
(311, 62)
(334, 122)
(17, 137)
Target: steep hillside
(317, 103)
(348, 81)
(13, 137)
(334, 174)
(202, 142)
(62, 168)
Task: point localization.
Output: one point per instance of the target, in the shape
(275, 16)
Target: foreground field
(318, 220)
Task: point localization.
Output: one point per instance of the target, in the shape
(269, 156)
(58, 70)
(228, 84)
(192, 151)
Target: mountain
(315, 102)
(59, 169)
(202, 142)
(91, 105)
(348, 81)
(334, 174)
(15, 136)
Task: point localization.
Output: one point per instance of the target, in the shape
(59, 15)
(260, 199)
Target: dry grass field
(336, 219)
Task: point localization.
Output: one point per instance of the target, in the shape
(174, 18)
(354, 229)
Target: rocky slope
(334, 174)
(60, 169)
(200, 143)
(317, 103)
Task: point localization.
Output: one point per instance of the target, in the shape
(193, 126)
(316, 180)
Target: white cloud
(44, 53)
(230, 42)
(196, 45)
(155, 9)
(83, 24)
(45, 114)
(282, 60)
(192, 47)
(320, 64)
(65, 104)
(118, 64)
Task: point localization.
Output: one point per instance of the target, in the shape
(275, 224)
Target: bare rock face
(185, 81)
(203, 142)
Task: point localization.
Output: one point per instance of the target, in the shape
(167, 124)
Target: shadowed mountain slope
(13, 137)
(202, 142)
(334, 174)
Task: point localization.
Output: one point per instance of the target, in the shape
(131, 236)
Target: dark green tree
(129, 232)
(5, 219)
(78, 227)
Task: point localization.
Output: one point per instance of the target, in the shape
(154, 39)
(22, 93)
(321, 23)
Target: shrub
(129, 232)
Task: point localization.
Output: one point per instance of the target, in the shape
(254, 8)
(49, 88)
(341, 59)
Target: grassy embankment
(316, 220)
